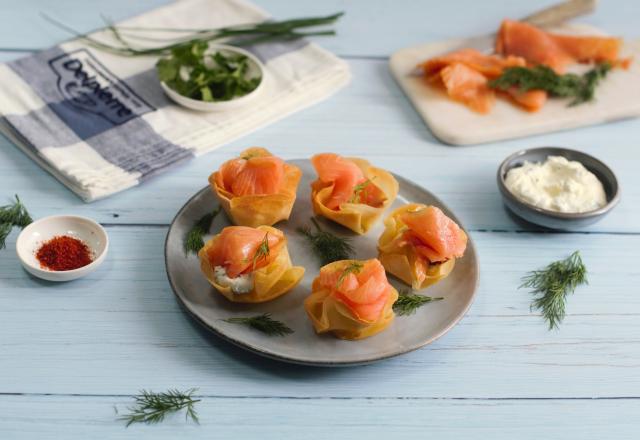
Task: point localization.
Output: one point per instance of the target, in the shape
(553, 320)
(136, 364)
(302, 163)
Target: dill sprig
(15, 214)
(552, 284)
(241, 35)
(262, 251)
(358, 189)
(249, 156)
(5, 230)
(325, 245)
(194, 240)
(407, 302)
(153, 407)
(570, 85)
(354, 267)
(263, 323)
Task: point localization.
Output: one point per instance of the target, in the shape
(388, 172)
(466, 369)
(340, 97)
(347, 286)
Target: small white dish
(44, 229)
(255, 67)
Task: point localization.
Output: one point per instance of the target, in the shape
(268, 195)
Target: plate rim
(293, 360)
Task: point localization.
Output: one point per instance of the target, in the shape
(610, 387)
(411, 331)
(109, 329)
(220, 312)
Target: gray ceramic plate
(407, 333)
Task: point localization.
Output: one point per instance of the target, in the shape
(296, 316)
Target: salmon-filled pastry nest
(249, 265)
(350, 191)
(351, 299)
(420, 245)
(256, 188)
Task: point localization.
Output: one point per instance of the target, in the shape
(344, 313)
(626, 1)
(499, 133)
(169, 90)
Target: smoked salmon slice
(554, 50)
(465, 75)
(490, 66)
(468, 86)
(531, 100)
(361, 286)
(349, 183)
(257, 173)
(236, 249)
(434, 235)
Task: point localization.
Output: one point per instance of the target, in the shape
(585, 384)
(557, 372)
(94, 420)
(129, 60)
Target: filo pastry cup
(258, 209)
(278, 277)
(359, 217)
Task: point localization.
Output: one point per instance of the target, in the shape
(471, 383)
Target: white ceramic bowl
(40, 231)
(255, 67)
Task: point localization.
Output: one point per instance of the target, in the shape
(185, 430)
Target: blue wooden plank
(120, 329)
(367, 29)
(371, 118)
(55, 417)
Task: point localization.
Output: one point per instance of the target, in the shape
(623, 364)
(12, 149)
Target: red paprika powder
(64, 253)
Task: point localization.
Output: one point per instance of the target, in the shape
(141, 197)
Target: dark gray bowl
(552, 219)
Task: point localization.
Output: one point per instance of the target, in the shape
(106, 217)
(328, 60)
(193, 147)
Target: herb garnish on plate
(263, 323)
(407, 302)
(354, 267)
(570, 85)
(153, 407)
(359, 189)
(195, 73)
(194, 240)
(552, 284)
(327, 246)
(262, 252)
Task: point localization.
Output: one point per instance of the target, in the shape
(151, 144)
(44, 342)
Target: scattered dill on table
(552, 284)
(327, 246)
(263, 323)
(15, 214)
(150, 407)
(407, 302)
(194, 240)
(570, 85)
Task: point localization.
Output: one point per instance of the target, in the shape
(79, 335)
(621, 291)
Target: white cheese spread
(240, 284)
(557, 184)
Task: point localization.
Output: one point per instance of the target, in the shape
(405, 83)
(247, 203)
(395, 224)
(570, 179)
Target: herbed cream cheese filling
(240, 284)
(557, 184)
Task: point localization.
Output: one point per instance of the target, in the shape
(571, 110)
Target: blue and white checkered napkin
(100, 123)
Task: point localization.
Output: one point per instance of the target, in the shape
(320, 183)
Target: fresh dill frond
(358, 189)
(570, 85)
(407, 302)
(327, 246)
(262, 252)
(249, 156)
(263, 323)
(15, 214)
(150, 407)
(591, 80)
(354, 267)
(552, 284)
(5, 230)
(194, 240)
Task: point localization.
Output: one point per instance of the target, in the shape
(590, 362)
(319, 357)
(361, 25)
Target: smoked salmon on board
(466, 74)
(617, 97)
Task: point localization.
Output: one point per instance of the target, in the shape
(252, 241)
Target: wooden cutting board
(617, 97)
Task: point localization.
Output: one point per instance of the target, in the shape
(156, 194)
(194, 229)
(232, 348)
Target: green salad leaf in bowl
(198, 71)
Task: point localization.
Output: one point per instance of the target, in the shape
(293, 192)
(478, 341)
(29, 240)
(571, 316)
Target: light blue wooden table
(69, 353)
